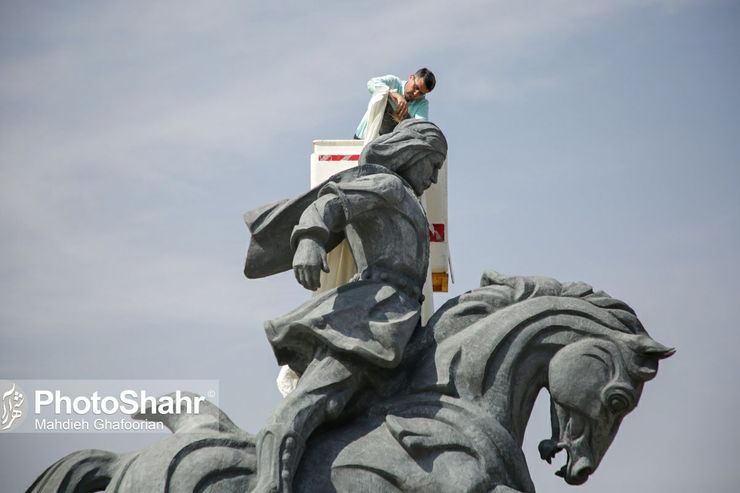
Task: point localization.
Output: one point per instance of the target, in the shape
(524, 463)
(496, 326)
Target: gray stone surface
(384, 404)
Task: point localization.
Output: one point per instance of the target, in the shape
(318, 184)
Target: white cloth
(286, 380)
(375, 111)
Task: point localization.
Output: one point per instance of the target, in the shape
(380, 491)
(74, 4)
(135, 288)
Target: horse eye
(617, 403)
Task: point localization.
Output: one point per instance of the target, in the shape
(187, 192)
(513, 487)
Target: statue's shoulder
(378, 182)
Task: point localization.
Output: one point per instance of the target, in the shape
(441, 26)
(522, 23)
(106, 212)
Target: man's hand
(402, 106)
(308, 262)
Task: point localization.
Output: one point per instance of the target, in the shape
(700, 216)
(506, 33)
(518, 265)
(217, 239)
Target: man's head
(415, 150)
(419, 84)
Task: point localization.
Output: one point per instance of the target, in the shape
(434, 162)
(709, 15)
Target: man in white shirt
(406, 99)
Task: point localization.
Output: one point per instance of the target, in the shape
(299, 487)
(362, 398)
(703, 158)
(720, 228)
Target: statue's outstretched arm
(310, 237)
(336, 207)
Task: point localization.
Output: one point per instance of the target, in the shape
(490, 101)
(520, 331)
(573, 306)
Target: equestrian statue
(384, 403)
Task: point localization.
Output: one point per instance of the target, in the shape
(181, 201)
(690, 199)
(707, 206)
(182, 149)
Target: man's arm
(401, 105)
(391, 82)
(418, 108)
(394, 86)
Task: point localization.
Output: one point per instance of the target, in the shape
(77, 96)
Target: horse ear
(650, 351)
(654, 349)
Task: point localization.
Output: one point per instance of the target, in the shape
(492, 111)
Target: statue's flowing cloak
(373, 316)
(271, 226)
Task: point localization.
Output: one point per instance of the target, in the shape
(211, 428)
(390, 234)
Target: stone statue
(385, 404)
(335, 339)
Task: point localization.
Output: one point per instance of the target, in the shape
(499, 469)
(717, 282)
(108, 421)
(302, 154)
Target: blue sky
(594, 141)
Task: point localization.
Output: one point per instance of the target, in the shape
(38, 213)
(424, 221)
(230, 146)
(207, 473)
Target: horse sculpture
(451, 417)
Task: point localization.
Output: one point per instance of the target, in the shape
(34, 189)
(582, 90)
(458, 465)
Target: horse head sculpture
(593, 384)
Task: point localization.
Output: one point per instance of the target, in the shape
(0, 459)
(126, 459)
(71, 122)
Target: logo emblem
(13, 406)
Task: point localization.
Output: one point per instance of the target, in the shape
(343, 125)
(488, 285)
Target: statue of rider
(338, 337)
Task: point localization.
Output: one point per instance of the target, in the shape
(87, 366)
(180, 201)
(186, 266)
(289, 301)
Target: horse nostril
(583, 474)
(580, 472)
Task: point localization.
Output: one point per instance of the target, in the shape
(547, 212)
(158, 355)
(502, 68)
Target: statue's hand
(308, 262)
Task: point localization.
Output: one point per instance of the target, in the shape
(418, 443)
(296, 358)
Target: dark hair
(429, 80)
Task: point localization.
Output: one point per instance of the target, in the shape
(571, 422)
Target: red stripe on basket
(339, 157)
(439, 229)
